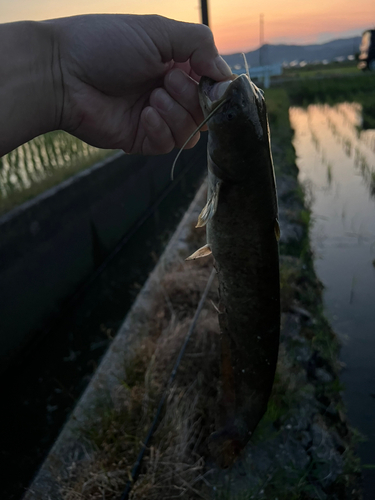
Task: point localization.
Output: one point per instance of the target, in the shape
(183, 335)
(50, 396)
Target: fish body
(241, 216)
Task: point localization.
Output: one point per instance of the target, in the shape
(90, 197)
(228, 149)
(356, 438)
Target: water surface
(337, 163)
(42, 162)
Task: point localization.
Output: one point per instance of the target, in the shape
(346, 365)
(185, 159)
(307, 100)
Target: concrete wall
(50, 245)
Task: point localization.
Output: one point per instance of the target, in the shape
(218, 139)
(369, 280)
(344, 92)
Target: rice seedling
(42, 163)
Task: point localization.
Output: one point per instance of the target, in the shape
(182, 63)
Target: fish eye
(230, 116)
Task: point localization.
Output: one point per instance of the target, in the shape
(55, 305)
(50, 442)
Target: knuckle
(155, 20)
(204, 34)
(164, 144)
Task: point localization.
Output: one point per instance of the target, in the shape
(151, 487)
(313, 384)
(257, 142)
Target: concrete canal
(337, 165)
(40, 389)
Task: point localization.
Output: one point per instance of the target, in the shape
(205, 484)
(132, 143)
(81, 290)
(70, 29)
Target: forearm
(30, 93)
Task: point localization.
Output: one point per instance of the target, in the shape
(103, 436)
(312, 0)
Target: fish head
(238, 131)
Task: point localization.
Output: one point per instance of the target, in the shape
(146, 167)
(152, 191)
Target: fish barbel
(241, 216)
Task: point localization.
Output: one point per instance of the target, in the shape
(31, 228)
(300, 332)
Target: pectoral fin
(277, 229)
(210, 208)
(202, 252)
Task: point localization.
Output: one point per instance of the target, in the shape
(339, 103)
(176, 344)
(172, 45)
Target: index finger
(186, 68)
(187, 41)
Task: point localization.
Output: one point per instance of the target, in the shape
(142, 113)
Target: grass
(176, 463)
(323, 70)
(281, 133)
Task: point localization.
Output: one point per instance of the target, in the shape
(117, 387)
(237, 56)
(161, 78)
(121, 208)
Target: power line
(261, 39)
(204, 12)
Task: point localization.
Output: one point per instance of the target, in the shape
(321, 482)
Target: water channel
(40, 389)
(336, 160)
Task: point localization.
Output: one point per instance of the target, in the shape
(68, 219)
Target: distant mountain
(272, 54)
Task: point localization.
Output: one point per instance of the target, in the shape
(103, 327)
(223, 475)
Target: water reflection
(40, 158)
(337, 161)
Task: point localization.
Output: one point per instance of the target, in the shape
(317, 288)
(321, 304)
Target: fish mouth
(214, 93)
(217, 91)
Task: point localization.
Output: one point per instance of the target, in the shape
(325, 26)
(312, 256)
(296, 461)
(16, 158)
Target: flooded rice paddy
(56, 154)
(336, 160)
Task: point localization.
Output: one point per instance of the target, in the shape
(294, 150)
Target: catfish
(242, 230)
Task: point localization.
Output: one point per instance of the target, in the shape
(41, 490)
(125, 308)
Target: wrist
(31, 91)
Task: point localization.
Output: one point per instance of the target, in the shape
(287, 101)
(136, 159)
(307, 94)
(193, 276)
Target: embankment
(303, 448)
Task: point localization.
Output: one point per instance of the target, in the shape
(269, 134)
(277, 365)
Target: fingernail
(152, 118)
(178, 81)
(223, 67)
(162, 101)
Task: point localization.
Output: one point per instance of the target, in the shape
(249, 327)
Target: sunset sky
(235, 23)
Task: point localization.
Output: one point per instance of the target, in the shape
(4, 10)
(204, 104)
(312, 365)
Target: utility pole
(261, 39)
(204, 7)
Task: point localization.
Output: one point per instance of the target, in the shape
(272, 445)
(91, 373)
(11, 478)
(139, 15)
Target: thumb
(180, 42)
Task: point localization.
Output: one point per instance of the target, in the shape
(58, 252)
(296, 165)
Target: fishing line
(136, 466)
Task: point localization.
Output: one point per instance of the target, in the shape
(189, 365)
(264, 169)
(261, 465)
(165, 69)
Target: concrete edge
(59, 187)
(70, 445)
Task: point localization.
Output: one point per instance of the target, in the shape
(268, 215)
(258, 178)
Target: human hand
(130, 82)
